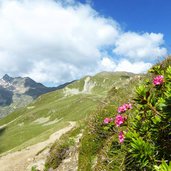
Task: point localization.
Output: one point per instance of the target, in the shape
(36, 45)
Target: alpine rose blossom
(121, 137)
(119, 120)
(128, 106)
(124, 108)
(107, 120)
(158, 80)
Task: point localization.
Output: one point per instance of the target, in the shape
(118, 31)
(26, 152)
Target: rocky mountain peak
(7, 78)
(19, 91)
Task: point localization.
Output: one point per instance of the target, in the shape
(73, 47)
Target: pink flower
(119, 120)
(121, 137)
(158, 80)
(122, 109)
(107, 120)
(128, 106)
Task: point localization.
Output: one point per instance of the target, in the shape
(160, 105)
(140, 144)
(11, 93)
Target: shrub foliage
(148, 135)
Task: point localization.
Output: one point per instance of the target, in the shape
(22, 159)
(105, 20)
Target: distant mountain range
(20, 91)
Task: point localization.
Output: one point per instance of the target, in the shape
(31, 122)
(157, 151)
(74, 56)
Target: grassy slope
(21, 130)
(91, 141)
(96, 144)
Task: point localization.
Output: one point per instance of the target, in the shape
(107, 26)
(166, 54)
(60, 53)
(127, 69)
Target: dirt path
(22, 160)
(71, 162)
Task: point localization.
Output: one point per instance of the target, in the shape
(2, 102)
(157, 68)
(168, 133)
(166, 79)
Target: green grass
(19, 138)
(96, 144)
(71, 109)
(21, 130)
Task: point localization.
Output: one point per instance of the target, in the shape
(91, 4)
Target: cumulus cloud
(135, 67)
(140, 46)
(107, 64)
(39, 38)
(57, 41)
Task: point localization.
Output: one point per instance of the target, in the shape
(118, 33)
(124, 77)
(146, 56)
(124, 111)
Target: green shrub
(146, 130)
(163, 167)
(148, 140)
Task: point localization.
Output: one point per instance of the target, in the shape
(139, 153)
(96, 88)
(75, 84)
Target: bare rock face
(24, 86)
(5, 96)
(7, 78)
(18, 92)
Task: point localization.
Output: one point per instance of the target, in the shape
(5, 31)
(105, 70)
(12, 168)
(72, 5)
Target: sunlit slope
(52, 111)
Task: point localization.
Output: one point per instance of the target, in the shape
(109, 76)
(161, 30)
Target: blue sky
(138, 15)
(55, 41)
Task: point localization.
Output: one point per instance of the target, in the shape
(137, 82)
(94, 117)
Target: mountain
(75, 102)
(55, 109)
(18, 92)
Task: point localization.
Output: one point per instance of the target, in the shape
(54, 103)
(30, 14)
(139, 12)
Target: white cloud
(140, 46)
(107, 64)
(135, 67)
(58, 41)
(35, 35)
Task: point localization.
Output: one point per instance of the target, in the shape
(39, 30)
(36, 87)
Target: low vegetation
(96, 135)
(60, 149)
(136, 139)
(148, 139)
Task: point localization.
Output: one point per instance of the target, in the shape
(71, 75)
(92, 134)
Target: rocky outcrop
(18, 92)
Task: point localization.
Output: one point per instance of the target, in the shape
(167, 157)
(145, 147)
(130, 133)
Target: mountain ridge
(16, 92)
